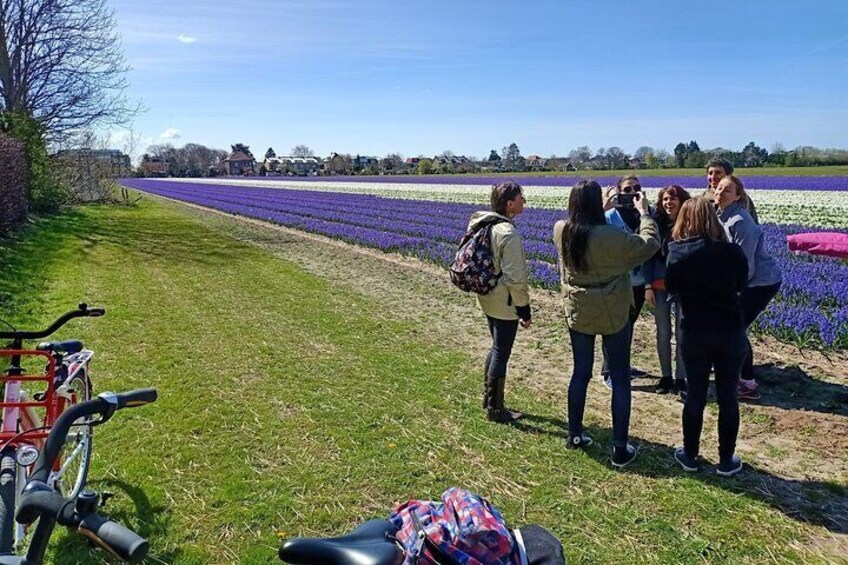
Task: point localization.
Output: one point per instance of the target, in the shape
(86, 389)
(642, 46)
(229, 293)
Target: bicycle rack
(50, 402)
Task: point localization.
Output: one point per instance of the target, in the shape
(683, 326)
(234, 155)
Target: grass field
(290, 405)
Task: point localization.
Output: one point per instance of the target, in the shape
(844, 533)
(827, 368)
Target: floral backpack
(462, 529)
(473, 268)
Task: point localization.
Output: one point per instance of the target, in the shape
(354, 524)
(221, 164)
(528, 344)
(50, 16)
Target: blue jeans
(663, 314)
(617, 347)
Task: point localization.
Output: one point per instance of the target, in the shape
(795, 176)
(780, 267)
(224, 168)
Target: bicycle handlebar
(82, 311)
(38, 499)
(104, 406)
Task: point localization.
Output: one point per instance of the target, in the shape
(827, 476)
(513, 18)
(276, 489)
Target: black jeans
(503, 336)
(583, 352)
(754, 301)
(703, 349)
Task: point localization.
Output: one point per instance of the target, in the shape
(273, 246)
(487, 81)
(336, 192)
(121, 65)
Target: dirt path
(796, 436)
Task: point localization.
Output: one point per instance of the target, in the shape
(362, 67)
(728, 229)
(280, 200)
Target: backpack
(473, 268)
(462, 529)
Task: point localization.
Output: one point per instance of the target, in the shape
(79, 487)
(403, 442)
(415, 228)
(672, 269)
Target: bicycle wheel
(75, 457)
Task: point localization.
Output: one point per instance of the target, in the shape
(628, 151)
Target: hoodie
(706, 278)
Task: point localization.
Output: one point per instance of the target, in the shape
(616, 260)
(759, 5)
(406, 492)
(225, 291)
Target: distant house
(534, 163)
(152, 166)
(337, 164)
(112, 161)
(361, 162)
(412, 161)
(559, 164)
(239, 163)
(299, 166)
(636, 163)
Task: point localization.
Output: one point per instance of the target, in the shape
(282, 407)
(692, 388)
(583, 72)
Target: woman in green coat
(595, 261)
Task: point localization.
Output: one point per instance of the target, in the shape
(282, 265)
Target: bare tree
(61, 62)
(302, 151)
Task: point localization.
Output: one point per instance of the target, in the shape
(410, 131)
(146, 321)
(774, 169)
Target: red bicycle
(38, 386)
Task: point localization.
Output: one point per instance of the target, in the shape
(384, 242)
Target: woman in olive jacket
(595, 262)
(508, 304)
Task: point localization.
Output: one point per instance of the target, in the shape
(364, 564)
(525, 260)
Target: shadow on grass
(145, 519)
(815, 502)
(791, 388)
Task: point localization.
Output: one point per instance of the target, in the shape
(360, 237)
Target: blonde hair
(697, 218)
(744, 201)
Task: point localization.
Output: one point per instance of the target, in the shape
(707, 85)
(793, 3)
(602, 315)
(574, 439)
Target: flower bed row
(812, 308)
(812, 207)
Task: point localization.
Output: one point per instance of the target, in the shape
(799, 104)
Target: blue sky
(375, 76)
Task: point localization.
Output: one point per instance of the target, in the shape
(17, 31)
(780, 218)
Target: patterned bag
(473, 268)
(462, 529)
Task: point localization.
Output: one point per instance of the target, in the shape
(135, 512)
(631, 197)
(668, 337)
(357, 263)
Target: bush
(13, 183)
(45, 193)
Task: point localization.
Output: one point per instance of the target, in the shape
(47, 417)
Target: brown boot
(496, 412)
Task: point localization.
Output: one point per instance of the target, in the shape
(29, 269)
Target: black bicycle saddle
(369, 544)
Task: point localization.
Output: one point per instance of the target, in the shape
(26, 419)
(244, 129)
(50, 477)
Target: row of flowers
(812, 207)
(812, 308)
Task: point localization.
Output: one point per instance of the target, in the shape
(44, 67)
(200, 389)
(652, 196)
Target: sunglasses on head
(634, 188)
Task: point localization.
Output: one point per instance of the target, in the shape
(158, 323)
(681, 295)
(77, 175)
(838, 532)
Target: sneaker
(608, 381)
(689, 464)
(664, 386)
(729, 468)
(680, 385)
(637, 373)
(748, 390)
(579, 442)
(622, 457)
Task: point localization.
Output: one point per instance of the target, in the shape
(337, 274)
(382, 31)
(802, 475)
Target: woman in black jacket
(706, 275)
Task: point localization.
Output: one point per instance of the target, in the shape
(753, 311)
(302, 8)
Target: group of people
(699, 262)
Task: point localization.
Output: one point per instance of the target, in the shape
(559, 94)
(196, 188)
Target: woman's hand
(525, 323)
(650, 297)
(640, 203)
(609, 199)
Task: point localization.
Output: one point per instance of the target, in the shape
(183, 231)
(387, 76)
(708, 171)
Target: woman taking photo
(669, 201)
(764, 276)
(595, 262)
(706, 274)
(508, 304)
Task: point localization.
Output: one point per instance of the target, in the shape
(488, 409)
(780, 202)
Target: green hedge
(13, 183)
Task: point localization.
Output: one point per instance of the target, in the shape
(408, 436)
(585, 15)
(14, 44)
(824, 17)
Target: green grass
(290, 406)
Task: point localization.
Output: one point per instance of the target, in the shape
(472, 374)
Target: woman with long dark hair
(707, 274)
(595, 261)
(669, 201)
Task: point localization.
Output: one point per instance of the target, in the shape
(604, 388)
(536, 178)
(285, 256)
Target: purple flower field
(752, 182)
(811, 309)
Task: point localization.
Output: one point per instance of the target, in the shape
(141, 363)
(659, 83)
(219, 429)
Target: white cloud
(183, 38)
(171, 133)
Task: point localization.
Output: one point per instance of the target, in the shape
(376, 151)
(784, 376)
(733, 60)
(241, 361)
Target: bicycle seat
(68, 347)
(369, 544)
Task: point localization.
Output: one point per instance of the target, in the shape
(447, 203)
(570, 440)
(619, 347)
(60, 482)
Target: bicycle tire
(78, 444)
(8, 496)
